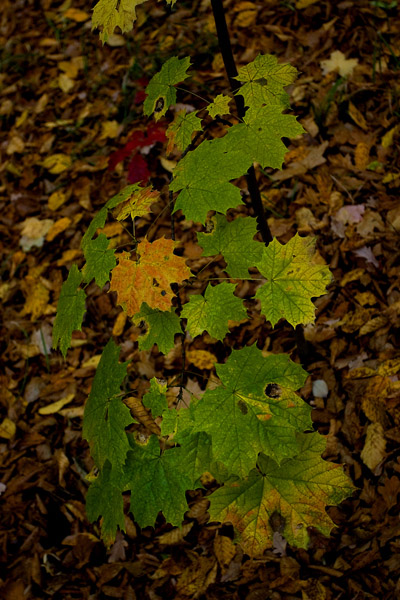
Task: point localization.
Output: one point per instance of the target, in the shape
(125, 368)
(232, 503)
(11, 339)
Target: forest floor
(72, 136)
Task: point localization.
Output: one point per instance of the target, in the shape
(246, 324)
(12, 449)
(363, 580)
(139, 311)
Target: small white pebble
(320, 389)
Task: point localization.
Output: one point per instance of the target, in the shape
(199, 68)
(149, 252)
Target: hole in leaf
(273, 390)
(159, 105)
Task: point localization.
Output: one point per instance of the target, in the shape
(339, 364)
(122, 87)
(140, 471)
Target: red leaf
(139, 97)
(137, 169)
(155, 133)
(138, 139)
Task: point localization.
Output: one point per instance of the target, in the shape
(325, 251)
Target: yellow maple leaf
(137, 205)
(337, 60)
(108, 15)
(148, 279)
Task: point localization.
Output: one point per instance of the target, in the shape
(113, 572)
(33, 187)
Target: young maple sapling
(251, 430)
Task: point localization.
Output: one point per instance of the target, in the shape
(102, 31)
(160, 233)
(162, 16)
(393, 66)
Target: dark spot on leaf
(262, 81)
(163, 293)
(273, 390)
(242, 407)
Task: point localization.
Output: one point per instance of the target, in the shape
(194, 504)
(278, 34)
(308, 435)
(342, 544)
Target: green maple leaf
(298, 490)
(180, 131)
(234, 240)
(203, 176)
(196, 456)
(99, 261)
(220, 106)
(104, 499)
(96, 223)
(176, 423)
(128, 193)
(163, 326)
(70, 310)
(157, 483)
(106, 416)
(109, 14)
(212, 311)
(160, 91)
(155, 399)
(259, 137)
(292, 281)
(252, 421)
(264, 79)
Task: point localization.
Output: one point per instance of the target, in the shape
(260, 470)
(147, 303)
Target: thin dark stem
(231, 70)
(230, 67)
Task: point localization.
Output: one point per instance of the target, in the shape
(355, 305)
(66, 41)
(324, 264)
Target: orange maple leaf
(148, 279)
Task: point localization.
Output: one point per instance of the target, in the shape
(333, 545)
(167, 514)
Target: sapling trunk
(231, 70)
